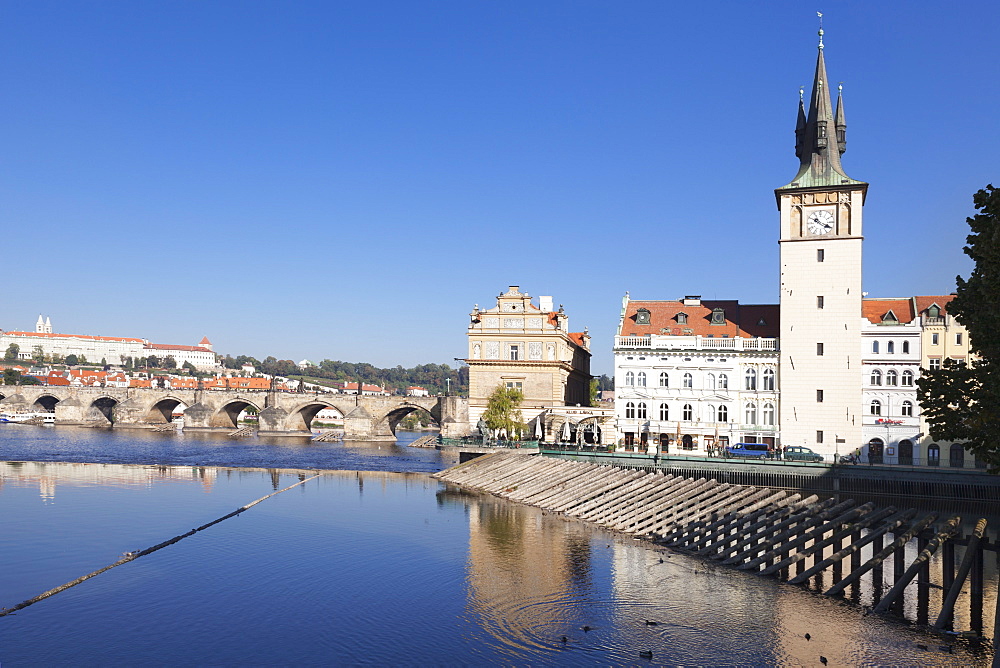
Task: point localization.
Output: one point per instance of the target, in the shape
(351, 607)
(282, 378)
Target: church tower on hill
(820, 250)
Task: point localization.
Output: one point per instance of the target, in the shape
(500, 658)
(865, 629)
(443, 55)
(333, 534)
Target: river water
(372, 562)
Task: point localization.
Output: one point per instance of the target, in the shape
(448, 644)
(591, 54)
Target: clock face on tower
(820, 222)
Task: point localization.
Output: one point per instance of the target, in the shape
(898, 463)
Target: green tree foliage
(595, 385)
(72, 360)
(169, 362)
(14, 377)
(962, 402)
(190, 368)
(503, 410)
(13, 350)
(37, 354)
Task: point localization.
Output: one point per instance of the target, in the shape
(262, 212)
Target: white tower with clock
(820, 248)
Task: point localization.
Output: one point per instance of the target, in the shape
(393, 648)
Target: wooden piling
(948, 607)
(946, 532)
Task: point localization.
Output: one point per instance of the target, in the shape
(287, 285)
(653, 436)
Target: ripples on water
(381, 568)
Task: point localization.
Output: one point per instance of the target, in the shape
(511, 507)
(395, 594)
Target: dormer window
(642, 316)
(761, 323)
(718, 316)
(682, 318)
(890, 319)
(934, 311)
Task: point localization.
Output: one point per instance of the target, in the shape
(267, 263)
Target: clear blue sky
(345, 180)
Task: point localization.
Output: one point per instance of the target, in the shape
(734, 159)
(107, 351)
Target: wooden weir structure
(770, 532)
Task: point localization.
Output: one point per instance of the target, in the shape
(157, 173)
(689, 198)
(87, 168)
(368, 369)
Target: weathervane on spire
(820, 15)
(802, 92)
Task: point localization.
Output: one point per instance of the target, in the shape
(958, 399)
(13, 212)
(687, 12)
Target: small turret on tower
(840, 122)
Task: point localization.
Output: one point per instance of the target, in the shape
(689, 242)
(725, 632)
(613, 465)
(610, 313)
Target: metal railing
(658, 342)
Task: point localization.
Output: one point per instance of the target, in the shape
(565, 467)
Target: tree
(961, 402)
(72, 360)
(191, 368)
(169, 362)
(503, 410)
(37, 354)
(595, 384)
(151, 361)
(83, 359)
(13, 350)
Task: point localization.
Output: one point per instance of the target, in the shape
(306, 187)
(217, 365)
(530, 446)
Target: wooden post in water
(976, 593)
(955, 587)
(923, 583)
(896, 593)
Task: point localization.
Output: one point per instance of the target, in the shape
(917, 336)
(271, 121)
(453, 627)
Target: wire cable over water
(131, 556)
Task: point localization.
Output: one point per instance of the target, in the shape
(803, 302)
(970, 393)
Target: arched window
(875, 347)
(907, 409)
(723, 414)
(688, 413)
(907, 378)
(641, 380)
(956, 456)
(688, 380)
(890, 347)
(723, 381)
(751, 414)
(664, 412)
(891, 377)
(875, 407)
(769, 414)
(710, 382)
(906, 347)
(664, 379)
(710, 414)
(933, 455)
(876, 377)
(630, 411)
(751, 378)
(641, 410)
(630, 378)
(769, 379)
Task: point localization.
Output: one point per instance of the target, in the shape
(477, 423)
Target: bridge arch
(102, 409)
(162, 411)
(301, 417)
(45, 402)
(392, 418)
(228, 416)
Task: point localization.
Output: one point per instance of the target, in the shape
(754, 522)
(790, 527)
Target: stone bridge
(372, 418)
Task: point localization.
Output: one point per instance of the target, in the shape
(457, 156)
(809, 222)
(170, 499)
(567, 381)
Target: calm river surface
(376, 566)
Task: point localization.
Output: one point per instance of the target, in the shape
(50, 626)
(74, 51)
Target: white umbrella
(565, 431)
(538, 427)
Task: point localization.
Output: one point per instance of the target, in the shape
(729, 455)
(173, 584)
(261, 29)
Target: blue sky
(345, 180)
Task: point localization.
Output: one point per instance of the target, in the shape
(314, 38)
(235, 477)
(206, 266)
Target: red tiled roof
(577, 338)
(77, 336)
(169, 346)
(750, 320)
(874, 310)
(925, 302)
(204, 341)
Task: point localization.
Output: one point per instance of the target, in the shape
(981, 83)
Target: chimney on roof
(692, 300)
(545, 304)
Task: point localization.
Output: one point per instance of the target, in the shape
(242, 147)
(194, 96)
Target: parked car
(753, 450)
(798, 453)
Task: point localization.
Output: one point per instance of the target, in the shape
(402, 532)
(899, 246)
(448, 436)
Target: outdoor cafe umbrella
(538, 428)
(565, 431)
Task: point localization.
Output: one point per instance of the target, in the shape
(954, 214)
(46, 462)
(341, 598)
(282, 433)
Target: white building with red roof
(200, 356)
(694, 375)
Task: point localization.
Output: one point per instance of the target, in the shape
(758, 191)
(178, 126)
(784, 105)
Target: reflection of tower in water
(524, 567)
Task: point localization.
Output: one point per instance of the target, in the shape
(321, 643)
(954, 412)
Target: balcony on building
(662, 342)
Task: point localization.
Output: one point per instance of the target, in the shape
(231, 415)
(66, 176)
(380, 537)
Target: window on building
(769, 414)
(515, 351)
(664, 379)
(934, 364)
(723, 414)
(876, 377)
(820, 254)
(718, 316)
(769, 379)
(710, 381)
(819, 302)
(934, 339)
(688, 413)
(710, 413)
(819, 437)
(891, 377)
(908, 378)
(875, 347)
(890, 347)
(875, 407)
(958, 339)
(934, 311)
(630, 378)
(688, 380)
(819, 396)
(751, 379)
(630, 411)
(907, 409)
(664, 412)
(640, 411)
(751, 414)
(819, 349)
(514, 385)
(641, 379)
(642, 317)
(682, 318)
(906, 347)
(723, 381)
